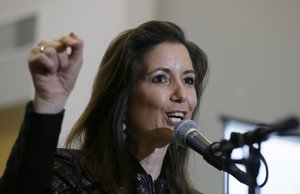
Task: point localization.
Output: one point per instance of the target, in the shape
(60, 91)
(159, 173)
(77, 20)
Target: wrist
(49, 106)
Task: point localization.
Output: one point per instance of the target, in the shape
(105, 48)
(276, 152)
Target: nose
(178, 92)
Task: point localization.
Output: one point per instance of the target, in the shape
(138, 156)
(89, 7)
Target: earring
(124, 129)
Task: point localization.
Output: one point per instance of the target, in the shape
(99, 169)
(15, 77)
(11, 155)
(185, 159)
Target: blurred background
(253, 49)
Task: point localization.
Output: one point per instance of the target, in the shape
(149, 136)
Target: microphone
(186, 133)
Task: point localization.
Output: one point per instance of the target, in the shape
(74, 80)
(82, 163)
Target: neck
(152, 163)
(150, 148)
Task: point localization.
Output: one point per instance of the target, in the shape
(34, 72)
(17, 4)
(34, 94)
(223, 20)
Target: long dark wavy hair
(99, 132)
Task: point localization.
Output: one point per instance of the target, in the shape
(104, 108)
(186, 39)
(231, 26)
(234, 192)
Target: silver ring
(42, 49)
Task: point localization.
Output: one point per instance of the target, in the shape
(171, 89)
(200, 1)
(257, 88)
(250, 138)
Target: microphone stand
(257, 136)
(252, 163)
(252, 168)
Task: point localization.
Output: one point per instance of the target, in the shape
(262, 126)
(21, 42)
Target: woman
(150, 78)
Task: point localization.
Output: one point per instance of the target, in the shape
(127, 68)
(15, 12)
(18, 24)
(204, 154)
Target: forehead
(168, 55)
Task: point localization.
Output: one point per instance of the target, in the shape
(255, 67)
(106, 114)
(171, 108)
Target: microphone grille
(182, 129)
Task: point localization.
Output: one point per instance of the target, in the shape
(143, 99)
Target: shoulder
(67, 156)
(68, 176)
(67, 161)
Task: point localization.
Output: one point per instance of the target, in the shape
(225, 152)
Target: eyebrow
(167, 70)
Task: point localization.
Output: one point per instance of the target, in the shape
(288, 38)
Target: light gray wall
(15, 82)
(253, 49)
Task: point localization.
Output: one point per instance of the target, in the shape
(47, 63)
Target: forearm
(29, 167)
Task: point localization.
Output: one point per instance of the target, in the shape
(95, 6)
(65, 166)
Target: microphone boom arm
(195, 141)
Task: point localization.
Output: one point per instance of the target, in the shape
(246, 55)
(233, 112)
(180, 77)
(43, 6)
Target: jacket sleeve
(29, 167)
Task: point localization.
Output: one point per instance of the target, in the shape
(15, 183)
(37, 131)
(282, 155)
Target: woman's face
(165, 93)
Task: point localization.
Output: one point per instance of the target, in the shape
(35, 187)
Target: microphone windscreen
(182, 129)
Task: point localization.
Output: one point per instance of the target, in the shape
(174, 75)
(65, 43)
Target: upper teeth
(176, 114)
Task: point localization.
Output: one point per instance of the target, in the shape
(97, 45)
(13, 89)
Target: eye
(189, 81)
(161, 78)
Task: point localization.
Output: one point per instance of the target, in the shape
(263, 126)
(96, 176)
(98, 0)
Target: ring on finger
(42, 49)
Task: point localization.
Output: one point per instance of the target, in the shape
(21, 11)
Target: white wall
(253, 49)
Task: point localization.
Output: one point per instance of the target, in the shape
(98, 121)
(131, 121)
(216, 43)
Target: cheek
(145, 110)
(192, 99)
(150, 100)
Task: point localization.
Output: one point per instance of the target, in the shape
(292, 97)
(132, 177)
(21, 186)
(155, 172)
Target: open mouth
(176, 117)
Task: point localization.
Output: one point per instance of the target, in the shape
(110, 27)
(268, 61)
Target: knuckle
(42, 42)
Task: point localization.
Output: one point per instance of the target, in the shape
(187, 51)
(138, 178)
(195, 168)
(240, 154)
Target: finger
(37, 49)
(48, 59)
(36, 56)
(63, 59)
(58, 52)
(41, 63)
(72, 40)
(55, 55)
(34, 51)
(52, 54)
(57, 45)
(42, 43)
(76, 45)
